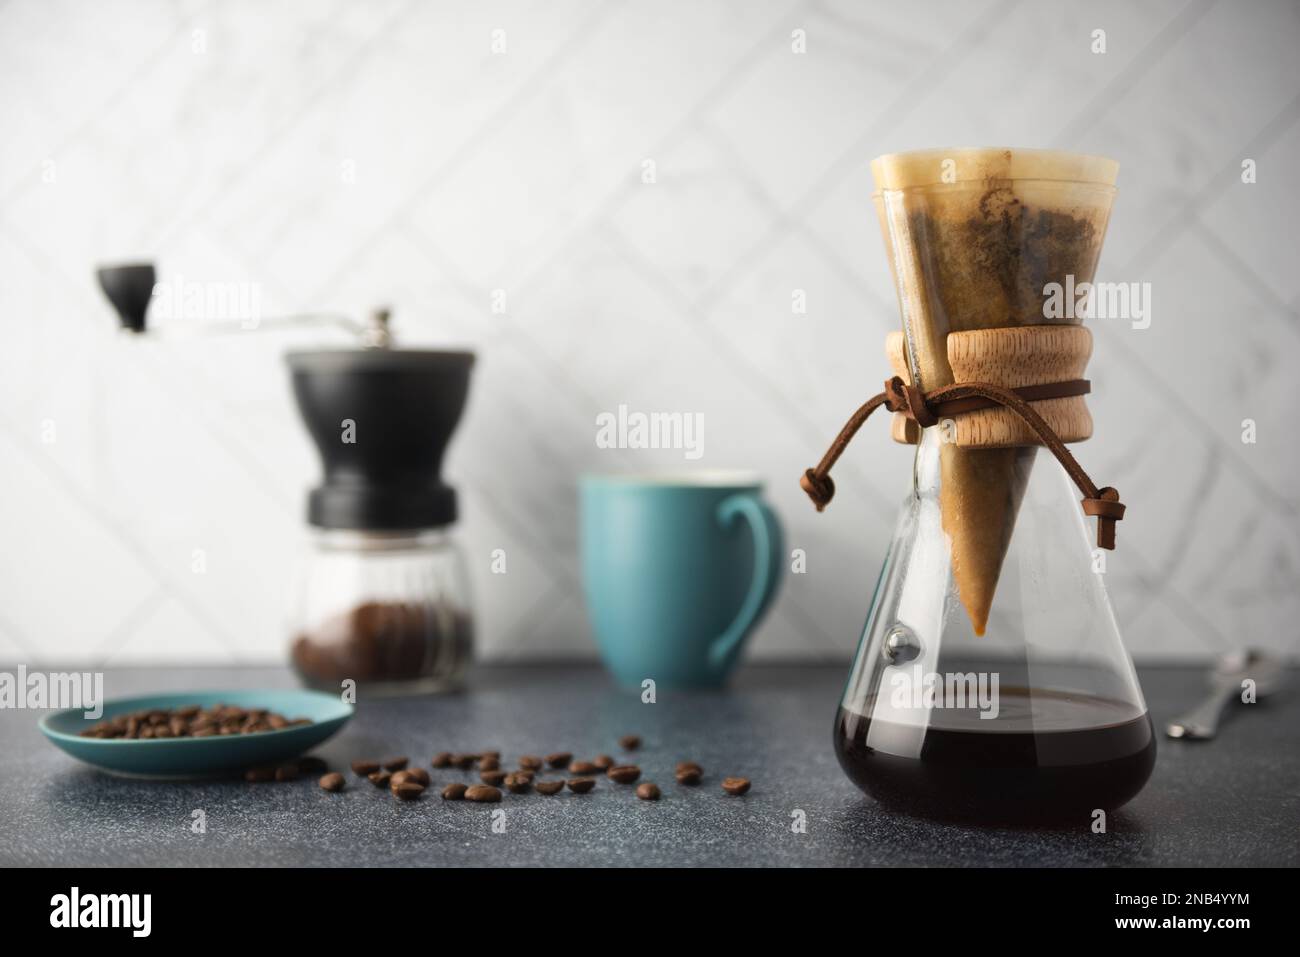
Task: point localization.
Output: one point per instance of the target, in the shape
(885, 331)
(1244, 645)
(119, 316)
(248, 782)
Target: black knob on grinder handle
(130, 289)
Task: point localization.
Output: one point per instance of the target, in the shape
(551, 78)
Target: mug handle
(766, 529)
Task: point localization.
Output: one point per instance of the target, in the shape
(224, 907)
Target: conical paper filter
(975, 237)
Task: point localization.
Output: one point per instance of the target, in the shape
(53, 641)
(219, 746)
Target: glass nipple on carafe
(991, 682)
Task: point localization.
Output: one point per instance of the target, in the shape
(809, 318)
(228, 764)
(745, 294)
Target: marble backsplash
(659, 205)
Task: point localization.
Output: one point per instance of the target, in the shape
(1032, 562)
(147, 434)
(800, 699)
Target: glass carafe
(1040, 717)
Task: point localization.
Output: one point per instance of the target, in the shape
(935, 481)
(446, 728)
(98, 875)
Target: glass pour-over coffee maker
(990, 682)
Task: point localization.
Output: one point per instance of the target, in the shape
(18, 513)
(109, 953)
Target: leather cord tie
(927, 408)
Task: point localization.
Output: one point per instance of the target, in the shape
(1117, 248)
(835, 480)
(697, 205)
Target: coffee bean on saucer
(629, 742)
(581, 785)
(560, 759)
(735, 785)
(259, 775)
(287, 772)
(623, 773)
(333, 782)
(379, 779)
(365, 768)
(549, 787)
(603, 762)
(408, 791)
(442, 759)
(689, 776)
(483, 794)
(489, 763)
(493, 778)
(395, 764)
(454, 792)
(647, 791)
(310, 764)
(582, 767)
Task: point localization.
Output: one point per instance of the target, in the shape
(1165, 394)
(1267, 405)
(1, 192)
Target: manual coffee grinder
(990, 682)
(382, 597)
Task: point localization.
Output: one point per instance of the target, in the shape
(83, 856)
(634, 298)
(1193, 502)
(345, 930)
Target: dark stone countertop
(1231, 802)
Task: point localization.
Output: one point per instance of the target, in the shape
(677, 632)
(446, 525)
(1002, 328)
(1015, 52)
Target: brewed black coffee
(1048, 755)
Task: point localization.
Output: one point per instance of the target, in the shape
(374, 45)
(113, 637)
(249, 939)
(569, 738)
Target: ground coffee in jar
(385, 643)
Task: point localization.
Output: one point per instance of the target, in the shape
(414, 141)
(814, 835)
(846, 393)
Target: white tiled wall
(346, 154)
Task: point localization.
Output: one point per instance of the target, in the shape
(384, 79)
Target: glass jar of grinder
(990, 682)
(382, 597)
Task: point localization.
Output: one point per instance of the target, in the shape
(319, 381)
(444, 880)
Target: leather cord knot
(820, 488)
(1108, 509)
(908, 399)
(921, 407)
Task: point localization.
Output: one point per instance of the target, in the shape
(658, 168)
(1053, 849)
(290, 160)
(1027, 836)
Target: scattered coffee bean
(689, 776)
(524, 775)
(582, 767)
(623, 773)
(408, 791)
(365, 768)
(549, 787)
(603, 762)
(560, 759)
(333, 782)
(465, 761)
(395, 764)
(419, 775)
(287, 772)
(689, 766)
(629, 742)
(190, 721)
(379, 778)
(493, 778)
(442, 759)
(581, 785)
(530, 762)
(495, 755)
(398, 778)
(310, 764)
(482, 793)
(647, 791)
(488, 763)
(735, 785)
(517, 783)
(259, 775)
(454, 792)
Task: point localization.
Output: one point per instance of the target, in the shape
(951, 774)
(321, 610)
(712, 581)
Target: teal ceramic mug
(677, 571)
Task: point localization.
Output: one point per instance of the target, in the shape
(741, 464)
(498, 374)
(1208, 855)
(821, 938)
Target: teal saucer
(201, 757)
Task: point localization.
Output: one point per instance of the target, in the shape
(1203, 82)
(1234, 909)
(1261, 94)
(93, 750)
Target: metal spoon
(1202, 722)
